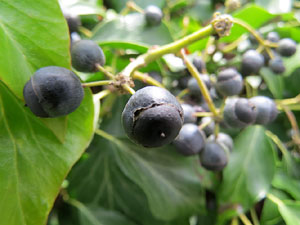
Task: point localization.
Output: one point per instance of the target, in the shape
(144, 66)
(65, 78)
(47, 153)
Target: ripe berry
(53, 91)
(276, 65)
(153, 15)
(223, 139)
(287, 47)
(188, 113)
(229, 82)
(73, 22)
(273, 37)
(194, 87)
(266, 109)
(209, 129)
(152, 117)
(213, 157)
(199, 64)
(85, 55)
(252, 61)
(239, 112)
(190, 140)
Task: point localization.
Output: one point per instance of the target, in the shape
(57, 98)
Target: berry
(209, 129)
(194, 87)
(276, 65)
(252, 61)
(188, 113)
(266, 109)
(53, 91)
(229, 82)
(287, 47)
(223, 139)
(73, 22)
(239, 112)
(85, 55)
(152, 117)
(190, 140)
(153, 15)
(273, 37)
(213, 157)
(199, 64)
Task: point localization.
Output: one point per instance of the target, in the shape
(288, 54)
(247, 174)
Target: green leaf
(251, 14)
(288, 209)
(284, 182)
(93, 215)
(164, 177)
(33, 34)
(292, 82)
(33, 160)
(246, 179)
(292, 63)
(270, 214)
(274, 82)
(131, 31)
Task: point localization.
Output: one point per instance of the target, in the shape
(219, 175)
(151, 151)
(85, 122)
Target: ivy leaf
(33, 160)
(274, 82)
(246, 179)
(131, 31)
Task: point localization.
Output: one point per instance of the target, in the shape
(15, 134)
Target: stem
(254, 217)
(106, 136)
(260, 40)
(146, 79)
(244, 219)
(97, 83)
(203, 125)
(133, 6)
(129, 89)
(85, 31)
(293, 121)
(234, 221)
(182, 93)
(274, 199)
(102, 94)
(203, 114)
(106, 73)
(201, 84)
(233, 45)
(289, 101)
(174, 47)
(217, 130)
(277, 141)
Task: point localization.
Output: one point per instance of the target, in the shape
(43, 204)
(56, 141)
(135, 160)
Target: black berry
(213, 157)
(73, 22)
(152, 117)
(229, 82)
(188, 113)
(223, 139)
(287, 47)
(273, 37)
(85, 55)
(194, 87)
(153, 15)
(190, 140)
(53, 91)
(266, 109)
(199, 64)
(252, 61)
(276, 65)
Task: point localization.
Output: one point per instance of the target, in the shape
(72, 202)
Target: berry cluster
(153, 116)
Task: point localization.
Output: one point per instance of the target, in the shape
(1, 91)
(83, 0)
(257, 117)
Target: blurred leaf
(251, 14)
(284, 182)
(201, 10)
(292, 82)
(132, 31)
(276, 6)
(246, 179)
(274, 82)
(118, 5)
(292, 63)
(288, 209)
(270, 214)
(81, 7)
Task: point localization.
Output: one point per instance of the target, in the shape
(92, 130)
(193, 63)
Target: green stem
(97, 83)
(85, 31)
(106, 73)
(101, 94)
(106, 136)
(174, 47)
(146, 79)
(192, 69)
(129, 89)
(254, 217)
(244, 219)
(277, 141)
